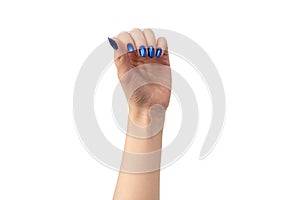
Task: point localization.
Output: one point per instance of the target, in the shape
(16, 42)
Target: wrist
(144, 123)
(139, 116)
(143, 116)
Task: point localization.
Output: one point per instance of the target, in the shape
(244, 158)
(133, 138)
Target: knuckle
(162, 39)
(148, 30)
(123, 33)
(135, 30)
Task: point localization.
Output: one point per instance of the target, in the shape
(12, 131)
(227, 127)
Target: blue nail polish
(151, 51)
(158, 52)
(130, 48)
(113, 43)
(142, 51)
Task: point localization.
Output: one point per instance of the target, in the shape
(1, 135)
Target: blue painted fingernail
(113, 43)
(130, 48)
(142, 51)
(158, 52)
(151, 51)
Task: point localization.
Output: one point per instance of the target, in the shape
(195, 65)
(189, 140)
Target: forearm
(145, 185)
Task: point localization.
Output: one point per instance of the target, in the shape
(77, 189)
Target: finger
(140, 41)
(122, 61)
(151, 41)
(162, 46)
(126, 39)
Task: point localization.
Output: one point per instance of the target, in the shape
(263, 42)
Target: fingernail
(130, 48)
(158, 52)
(151, 51)
(142, 51)
(113, 43)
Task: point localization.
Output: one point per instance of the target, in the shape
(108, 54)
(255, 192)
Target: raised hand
(141, 59)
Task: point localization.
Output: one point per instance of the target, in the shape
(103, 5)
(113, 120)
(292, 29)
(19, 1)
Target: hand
(144, 72)
(139, 57)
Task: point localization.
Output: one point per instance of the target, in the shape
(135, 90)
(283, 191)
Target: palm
(151, 93)
(145, 77)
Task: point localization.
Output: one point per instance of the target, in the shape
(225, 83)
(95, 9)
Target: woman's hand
(141, 59)
(144, 71)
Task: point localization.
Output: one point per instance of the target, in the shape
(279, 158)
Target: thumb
(121, 58)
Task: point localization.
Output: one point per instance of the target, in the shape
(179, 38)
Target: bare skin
(141, 186)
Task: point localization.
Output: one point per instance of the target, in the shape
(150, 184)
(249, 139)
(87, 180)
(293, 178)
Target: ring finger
(151, 42)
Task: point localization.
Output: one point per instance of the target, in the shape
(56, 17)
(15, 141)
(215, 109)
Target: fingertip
(113, 43)
(162, 46)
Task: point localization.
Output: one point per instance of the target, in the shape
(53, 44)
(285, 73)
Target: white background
(254, 44)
